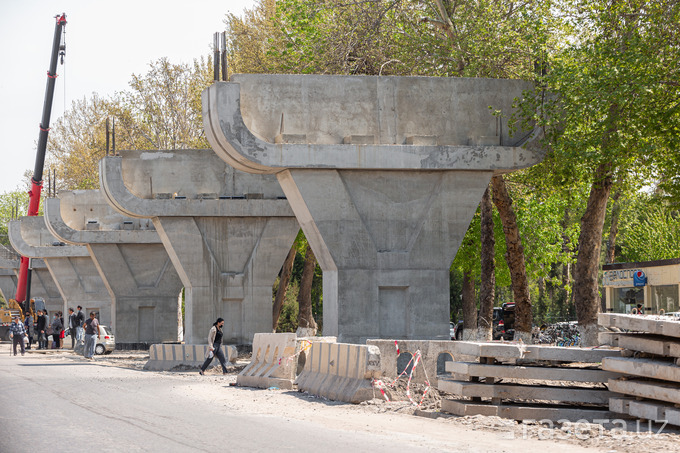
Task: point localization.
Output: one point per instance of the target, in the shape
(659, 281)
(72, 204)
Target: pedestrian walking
(42, 330)
(215, 347)
(17, 332)
(72, 326)
(30, 328)
(91, 331)
(57, 327)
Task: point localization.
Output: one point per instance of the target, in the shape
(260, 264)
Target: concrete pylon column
(384, 175)
(70, 266)
(130, 258)
(226, 232)
(42, 283)
(386, 242)
(8, 284)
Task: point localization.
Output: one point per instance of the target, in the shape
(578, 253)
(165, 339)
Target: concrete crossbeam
(530, 372)
(70, 266)
(515, 391)
(227, 233)
(130, 258)
(243, 118)
(652, 324)
(655, 369)
(660, 391)
(533, 352)
(651, 344)
(519, 412)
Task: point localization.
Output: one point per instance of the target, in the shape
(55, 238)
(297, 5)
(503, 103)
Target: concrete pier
(227, 232)
(132, 261)
(42, 283)
(71, 267)
(384, 175)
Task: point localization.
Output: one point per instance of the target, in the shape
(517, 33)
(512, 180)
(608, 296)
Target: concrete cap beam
(265, 123)
(159, 184)
(30, 237)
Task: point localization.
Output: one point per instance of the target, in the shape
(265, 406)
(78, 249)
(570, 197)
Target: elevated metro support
(131, 260)
(384, 175)
(226, 232)
(71, 267)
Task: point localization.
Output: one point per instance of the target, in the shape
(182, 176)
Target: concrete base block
(515, 391)
(518, 412)
(530, 372)
(341, 372)
(650, 368)
(164, 357)
(659, 391)
(429, 350)
(532, 352)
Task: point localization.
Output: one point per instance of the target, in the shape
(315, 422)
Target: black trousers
(220, 356)
(18, 340)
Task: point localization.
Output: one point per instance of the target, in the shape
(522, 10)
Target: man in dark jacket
(42, 325)
(81, 321)
(72, 326)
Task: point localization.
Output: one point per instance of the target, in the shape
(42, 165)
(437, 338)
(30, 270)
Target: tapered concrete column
(8, 284)
(42, 284)
(71, 267)
(131, 260)
(226, 232)
(384, 175)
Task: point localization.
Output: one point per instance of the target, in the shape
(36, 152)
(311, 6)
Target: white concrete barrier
(164, 357)
(277, 359)
(341, 372)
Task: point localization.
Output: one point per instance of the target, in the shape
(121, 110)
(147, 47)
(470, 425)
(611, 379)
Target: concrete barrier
(341, 372)
(277, 359)
(429, 351)
(164, 357)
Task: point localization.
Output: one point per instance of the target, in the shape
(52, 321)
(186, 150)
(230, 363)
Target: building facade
(653, 285)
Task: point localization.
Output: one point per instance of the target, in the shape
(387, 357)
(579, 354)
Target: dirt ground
(635, 437)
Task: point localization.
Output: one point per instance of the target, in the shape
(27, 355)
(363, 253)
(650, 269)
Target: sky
(106, 42)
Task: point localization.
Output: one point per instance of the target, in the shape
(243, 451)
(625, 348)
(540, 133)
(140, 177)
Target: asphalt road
(60, 402)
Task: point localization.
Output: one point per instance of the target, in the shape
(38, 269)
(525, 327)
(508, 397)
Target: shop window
(625, 299)
(665, 297)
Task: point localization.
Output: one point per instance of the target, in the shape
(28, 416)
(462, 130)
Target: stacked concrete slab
(652, 376)
(130, 258)
(384, 175)
(538, 382)
(71, 267)
(226, 232)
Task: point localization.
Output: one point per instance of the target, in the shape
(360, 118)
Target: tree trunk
(515, 258)
(286, 271)
(586, 285)
(306, 323)
(469, 308)
(488, 285)
(613, 228)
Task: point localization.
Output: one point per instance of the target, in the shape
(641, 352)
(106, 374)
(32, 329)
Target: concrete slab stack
(132, 261)
(528, 382)
(384, 175)
(70, 266)
(226, 232)
(651, 384)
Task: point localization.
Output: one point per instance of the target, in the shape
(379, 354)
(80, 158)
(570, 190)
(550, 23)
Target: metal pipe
(225, 67)
(216, 56)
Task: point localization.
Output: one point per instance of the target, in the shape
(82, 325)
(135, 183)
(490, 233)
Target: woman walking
(57, 327)
(215, 347)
